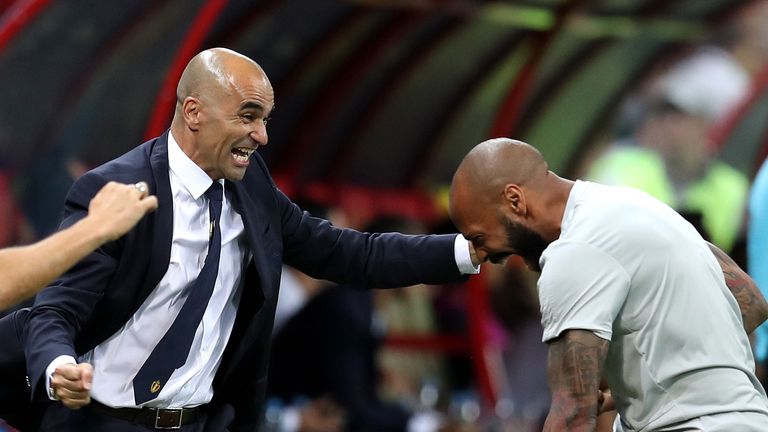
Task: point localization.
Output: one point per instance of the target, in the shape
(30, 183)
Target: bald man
(628, 290)
(170, 326)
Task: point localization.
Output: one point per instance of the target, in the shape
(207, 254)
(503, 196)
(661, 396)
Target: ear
(191, 110)
(514, 199)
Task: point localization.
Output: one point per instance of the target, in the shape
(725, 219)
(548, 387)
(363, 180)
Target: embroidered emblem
(155, 387)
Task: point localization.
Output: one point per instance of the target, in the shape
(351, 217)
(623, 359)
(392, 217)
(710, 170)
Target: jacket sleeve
(60, 310)
(346, 256)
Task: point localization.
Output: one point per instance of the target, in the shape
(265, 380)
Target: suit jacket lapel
(163, 217)
(256, 224)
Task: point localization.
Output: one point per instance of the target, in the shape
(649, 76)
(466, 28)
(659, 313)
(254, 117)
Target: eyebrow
(252, 105)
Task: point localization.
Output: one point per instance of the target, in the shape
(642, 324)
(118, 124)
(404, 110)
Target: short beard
(528, 244)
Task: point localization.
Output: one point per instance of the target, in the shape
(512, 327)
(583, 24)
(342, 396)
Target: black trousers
(58, 418)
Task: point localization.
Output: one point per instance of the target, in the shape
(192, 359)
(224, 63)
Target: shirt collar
(573, 199)
(191, 176)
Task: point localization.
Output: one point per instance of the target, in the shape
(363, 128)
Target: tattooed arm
(754, 309)
(574, 368)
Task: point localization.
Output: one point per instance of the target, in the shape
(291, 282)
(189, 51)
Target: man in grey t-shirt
(629, 291)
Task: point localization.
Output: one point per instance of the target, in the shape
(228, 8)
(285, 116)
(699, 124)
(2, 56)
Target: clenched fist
(71, 384)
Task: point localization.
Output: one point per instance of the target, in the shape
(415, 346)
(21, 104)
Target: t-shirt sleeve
(581, 287)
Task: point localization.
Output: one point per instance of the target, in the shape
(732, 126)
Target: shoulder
(606, 211)
(581, 287)
(258, 171)
(258, 183)
(130, 167)
(617, 221)
(566, 262)
(126, 167)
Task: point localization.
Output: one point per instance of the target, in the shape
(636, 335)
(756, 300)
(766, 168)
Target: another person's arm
(754, 309)
(574, 368)
(112, 212)
(380, 260)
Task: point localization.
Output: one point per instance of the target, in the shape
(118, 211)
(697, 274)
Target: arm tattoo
(754, 309)
(575, 367)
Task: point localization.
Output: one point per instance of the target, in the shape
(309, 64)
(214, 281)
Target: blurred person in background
(512, 298)
(668, 151)
(320, 414)
(449, 308)
(670, 156)
(743, 41)
(405, 373)
(296, 288)
(757, 252)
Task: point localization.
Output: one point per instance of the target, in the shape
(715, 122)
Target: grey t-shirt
(632, 271)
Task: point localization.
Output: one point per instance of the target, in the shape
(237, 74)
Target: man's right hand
(71, 384)
(117, 207)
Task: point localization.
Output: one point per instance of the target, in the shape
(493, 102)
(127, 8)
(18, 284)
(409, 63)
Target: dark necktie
(172, 350)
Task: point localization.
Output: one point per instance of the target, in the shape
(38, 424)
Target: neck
(183, 138)
(557, 191)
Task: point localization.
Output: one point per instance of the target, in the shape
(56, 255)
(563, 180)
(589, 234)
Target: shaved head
(506, 202)
(216, 70)
(494, 163)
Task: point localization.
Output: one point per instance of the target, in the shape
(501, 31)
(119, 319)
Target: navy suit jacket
(95, 299)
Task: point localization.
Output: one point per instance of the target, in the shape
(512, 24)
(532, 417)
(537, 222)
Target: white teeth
(242, 154)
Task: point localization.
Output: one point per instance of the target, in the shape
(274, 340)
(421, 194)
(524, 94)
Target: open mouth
(242, 154)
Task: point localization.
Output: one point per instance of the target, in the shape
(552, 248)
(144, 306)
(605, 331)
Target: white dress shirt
(117, 360)
(463, 257)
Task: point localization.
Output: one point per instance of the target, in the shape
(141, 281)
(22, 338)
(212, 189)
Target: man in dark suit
(170, 325)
